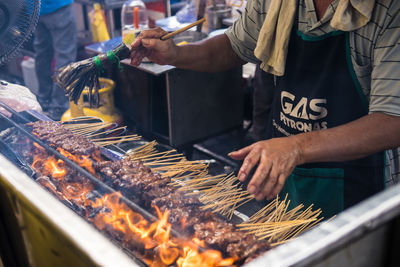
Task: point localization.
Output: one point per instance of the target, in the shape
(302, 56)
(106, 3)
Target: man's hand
(148, 44)
(276, 158)
(209, 55)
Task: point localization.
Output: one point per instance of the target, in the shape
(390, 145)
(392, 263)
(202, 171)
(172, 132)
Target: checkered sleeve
(385, 76)
(243, 34)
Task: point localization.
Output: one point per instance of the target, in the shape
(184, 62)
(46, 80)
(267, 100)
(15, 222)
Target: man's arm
(277, 157)
(211, 55)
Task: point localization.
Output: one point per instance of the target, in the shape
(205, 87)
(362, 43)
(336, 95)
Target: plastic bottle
(133, 19)
(29, 74)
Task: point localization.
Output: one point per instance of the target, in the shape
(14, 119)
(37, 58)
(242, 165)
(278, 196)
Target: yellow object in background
(106, 110)
(98, 24)
(182, 43)
(128, 36)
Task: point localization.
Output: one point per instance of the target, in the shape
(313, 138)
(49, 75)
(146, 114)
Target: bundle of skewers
(101, 133)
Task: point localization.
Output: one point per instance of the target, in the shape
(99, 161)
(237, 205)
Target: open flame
(56, 167)
(82, 160)
(155, 236)
(153, 240)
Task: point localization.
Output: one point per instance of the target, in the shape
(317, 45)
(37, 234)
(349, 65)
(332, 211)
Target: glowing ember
(193, 258)
(77, 192)
(51, 167)
(82, 160)
(156, 236)
(154, 240)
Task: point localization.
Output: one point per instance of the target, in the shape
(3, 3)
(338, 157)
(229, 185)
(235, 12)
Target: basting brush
(77, 76)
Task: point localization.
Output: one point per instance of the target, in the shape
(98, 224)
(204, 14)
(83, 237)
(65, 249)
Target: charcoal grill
(42, 220)
(53, 235)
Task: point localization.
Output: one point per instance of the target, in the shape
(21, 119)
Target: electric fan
(18, 20)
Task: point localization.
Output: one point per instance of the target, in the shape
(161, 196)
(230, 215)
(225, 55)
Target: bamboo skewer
(90, 130)
(107, 132)
(78, 126)
(159, 154)
(143, 150)
(115, 138)
(275, 223)
(80, 119)
(172, 34)
(87, 128)
(107, 143)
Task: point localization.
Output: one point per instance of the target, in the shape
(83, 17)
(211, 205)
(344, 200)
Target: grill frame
(32, 204)
(365, 235)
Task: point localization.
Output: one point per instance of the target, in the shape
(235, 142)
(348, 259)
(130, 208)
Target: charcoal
(92, 195)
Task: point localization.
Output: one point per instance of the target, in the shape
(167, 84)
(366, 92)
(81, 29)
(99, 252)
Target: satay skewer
(172, 34)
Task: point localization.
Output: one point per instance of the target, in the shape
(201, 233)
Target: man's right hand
(148, 44)
(209, 55)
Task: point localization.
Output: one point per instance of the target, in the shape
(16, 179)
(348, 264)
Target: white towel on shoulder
(273, 40)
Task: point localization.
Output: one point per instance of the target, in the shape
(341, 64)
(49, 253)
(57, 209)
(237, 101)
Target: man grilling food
(334, 126)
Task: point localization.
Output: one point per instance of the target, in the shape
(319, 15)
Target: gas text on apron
(318, 91)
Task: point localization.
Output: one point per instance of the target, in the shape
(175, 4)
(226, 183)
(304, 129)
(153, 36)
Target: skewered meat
(58, 136)
(128, 174)
(236, 243)
(185, 211)
(138, 183)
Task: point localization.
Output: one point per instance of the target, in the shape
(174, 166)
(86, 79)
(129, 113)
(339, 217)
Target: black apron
(318, 91)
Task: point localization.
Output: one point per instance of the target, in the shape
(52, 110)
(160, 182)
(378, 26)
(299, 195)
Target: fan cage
(19, 23)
